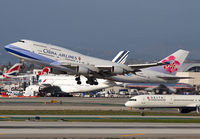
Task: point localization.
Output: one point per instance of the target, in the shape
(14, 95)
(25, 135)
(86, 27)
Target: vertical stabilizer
(176, 60)
(13, 71)
(121, 57)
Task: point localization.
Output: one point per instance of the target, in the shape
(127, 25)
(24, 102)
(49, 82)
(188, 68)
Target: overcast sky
(150, 29)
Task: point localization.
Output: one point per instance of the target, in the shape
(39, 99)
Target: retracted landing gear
(78, 79)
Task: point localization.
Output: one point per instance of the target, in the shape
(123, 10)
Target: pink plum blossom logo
(173, 67)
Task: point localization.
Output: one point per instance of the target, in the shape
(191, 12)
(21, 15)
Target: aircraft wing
(101, 70)
(136, 67)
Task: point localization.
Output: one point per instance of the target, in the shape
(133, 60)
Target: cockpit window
(21, 41)
(132, 99)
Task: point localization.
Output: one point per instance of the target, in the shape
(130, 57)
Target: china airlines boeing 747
(66, 61)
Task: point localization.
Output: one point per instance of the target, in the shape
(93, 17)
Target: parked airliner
(68, 84)
(62, 60)
(184, 103)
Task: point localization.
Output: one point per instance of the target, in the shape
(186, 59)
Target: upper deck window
(21, 41)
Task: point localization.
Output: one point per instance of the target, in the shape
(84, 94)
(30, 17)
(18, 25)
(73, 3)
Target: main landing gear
(78, 79)
(92, 81)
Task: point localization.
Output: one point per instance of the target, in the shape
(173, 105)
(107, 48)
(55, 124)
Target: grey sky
(150, 29)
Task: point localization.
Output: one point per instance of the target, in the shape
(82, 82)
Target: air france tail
(176, 60)
(121, 57)
(13, 71)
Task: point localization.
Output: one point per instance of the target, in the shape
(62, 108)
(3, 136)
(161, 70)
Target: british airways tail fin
(176, 60)
(13, 71)
(121, 57)
(45, 71)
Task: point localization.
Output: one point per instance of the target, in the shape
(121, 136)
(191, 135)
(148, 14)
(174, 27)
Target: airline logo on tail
(45, 71)
(173, 66)
(175, 61)
(13, 71)
(121, 57)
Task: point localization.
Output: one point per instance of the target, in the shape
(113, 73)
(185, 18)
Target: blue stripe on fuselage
(27, 54)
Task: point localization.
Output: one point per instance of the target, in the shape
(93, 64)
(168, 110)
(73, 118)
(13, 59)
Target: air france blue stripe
(120, 56)
(123, 58)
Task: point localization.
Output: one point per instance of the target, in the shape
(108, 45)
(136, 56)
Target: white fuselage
(46, 54)
(164, 101)
(69, 85)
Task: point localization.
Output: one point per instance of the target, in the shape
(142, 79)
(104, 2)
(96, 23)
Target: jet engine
(82, 70)
(186, 110)
(117, 70)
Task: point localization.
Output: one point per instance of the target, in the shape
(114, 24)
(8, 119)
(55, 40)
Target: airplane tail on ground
(45, 71)
(176, 60)
(121, 57)
(13, 71)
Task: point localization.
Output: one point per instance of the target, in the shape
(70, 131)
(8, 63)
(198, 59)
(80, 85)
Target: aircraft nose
(8, 47)
(127, 104)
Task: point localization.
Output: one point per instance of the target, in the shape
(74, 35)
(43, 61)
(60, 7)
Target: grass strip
(89, 112)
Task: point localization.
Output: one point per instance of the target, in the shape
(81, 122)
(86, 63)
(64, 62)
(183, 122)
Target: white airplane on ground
(62, 60)
(68, 84)
(184, 103)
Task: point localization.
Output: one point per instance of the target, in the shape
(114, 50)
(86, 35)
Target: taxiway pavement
(11, 129)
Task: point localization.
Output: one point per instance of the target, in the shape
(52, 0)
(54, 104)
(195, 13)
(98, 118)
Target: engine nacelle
(186, 110)
(117, 70)
(82, 70)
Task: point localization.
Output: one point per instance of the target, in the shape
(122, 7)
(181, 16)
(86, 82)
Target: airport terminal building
(190, 70)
